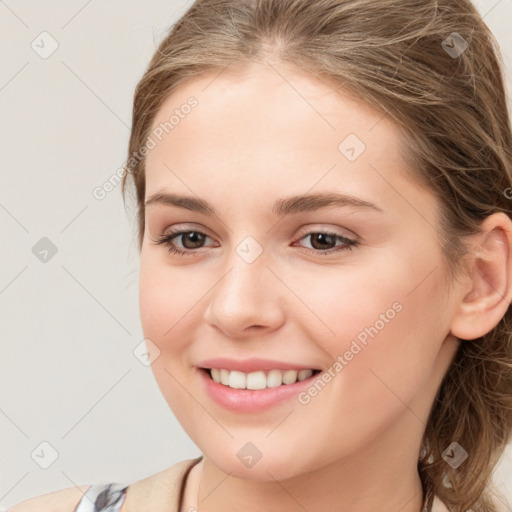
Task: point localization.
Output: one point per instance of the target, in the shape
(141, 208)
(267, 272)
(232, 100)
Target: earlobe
(489, 280)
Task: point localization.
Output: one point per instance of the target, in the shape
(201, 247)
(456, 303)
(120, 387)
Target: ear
(487, 288)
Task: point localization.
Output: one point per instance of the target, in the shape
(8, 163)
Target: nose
(246, 300)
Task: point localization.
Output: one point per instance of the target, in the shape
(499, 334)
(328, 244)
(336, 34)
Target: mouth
(258, 380)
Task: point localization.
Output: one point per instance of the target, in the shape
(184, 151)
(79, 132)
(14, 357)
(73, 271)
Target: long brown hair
(435, 68)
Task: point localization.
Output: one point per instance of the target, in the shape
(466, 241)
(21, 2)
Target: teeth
(304, 374)
(290, 377)
(224, 377)
(258, 380)
(274, 378)
(237, 380)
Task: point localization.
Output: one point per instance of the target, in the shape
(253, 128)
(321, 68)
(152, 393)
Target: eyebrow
(284, 206)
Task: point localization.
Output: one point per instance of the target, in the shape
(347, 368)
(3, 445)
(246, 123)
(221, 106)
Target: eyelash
(166, 240)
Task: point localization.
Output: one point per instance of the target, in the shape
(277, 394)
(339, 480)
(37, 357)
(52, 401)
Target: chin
(268, 468)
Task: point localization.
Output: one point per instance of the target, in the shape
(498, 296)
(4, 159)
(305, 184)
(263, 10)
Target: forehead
(271, 127)
(267, 97)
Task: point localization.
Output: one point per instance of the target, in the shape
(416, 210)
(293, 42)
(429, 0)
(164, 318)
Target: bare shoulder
(64, 500)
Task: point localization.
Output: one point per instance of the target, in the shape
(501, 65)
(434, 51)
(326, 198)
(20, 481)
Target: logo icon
(44, 455)
(249, 455)
(44, 250)
(249, 249)
(454, 45)
(44, 45)
(146, 352)
(454, 455)
(352, 147)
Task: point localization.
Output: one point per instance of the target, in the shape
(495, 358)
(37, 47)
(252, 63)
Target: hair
(452, 111)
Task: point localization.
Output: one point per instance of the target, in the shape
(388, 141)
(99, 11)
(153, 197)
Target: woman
(323, 193)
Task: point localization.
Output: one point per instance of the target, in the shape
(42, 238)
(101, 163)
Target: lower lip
(249, 400)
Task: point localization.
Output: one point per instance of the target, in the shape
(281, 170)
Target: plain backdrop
(73, 395)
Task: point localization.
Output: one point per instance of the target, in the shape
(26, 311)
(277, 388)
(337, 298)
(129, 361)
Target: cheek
(391, 319)
(167, 296)
(387, 337)
(166, 300)
(172, 299)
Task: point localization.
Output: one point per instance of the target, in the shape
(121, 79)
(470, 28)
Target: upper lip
(251, 365)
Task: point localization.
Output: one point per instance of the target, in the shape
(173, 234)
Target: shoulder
(162, 490)
(64, 500)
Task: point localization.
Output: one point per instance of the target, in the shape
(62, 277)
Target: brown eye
(324, 243)
(192, 239)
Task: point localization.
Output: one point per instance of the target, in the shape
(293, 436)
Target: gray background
(68, 375)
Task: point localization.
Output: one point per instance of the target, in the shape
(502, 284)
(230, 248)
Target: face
(354, 289)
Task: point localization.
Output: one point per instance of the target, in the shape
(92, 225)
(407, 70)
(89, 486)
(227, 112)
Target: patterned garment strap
(103, 498)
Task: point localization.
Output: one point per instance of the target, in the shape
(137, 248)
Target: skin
(254, 138)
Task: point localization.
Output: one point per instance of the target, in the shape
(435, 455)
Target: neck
(380, 477)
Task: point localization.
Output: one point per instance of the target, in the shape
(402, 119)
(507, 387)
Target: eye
(321, 241)
(191, 240)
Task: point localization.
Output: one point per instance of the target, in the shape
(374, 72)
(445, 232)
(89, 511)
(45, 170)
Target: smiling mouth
(261, 379)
